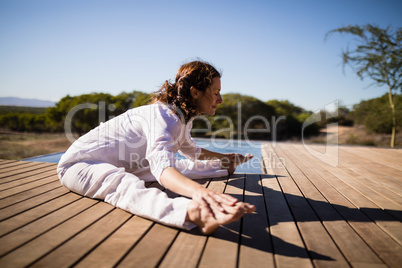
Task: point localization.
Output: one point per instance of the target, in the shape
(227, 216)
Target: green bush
(375, 114)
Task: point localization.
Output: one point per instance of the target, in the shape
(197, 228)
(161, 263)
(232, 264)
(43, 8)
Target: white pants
(126, 191)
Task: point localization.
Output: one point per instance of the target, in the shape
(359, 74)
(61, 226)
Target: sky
(266, 49)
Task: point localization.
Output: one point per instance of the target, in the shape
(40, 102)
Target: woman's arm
(208, 155)
(229, 161)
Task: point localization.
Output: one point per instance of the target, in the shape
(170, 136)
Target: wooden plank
(40, 226)
(150, 250)
(70, 252)
(256, 241)
(32, 192)
(322, 248)
(17, 208)
(349, 242)
(113, 249)
(186, 250)
(372, 181)
(288, 245)
(28, 186)
(6, 172)
(40, 246)
(188, 245)
(6, 162)
(359, 195)
(22, 169)
(384, 246)
(27, 177)
(34, 170)
(382, 157)
(140, 255)
(31, 215)
(374, 165)
(372, 189)
(383, 197)
(12, 163)
(371, 174)
(221, 249)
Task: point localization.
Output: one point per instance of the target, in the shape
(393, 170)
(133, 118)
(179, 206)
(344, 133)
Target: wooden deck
(333, 208)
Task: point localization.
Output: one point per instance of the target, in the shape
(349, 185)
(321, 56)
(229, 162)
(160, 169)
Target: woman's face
(208, 102)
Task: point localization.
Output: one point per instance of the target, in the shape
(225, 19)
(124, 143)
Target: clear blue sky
(266, 49)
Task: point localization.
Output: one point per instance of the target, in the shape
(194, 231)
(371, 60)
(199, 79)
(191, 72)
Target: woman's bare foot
(208, 219)
(237, 159)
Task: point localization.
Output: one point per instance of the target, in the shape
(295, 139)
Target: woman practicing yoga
(112, 161)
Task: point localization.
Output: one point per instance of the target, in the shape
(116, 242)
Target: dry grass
(357, 135)
(18, 146)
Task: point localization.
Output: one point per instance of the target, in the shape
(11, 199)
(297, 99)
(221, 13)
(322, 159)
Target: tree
(95, 108)
(291, 126)
(374, 113)
(378, 56)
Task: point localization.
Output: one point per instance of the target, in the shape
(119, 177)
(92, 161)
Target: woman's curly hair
(197, 74)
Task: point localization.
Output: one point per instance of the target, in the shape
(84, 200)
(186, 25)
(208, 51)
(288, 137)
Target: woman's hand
(231, 160)
(215, 200)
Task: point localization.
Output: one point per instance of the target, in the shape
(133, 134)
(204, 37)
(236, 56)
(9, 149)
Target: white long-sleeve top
(143, 138)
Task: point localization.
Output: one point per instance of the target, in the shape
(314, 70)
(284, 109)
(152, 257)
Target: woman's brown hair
(197, 74)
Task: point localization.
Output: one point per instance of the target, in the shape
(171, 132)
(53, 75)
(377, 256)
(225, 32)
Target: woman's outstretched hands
(232, 160)
(210, 209)
(208, 198)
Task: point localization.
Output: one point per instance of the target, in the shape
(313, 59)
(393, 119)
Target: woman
(112, 161)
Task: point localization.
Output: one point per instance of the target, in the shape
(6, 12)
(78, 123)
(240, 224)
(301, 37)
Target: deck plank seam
(267, 218)
(356, 207)
(317, 214)
(375, 159)
(157, 185)
(71, 237)
(28, 176)
(348, 222)
(168, 248)
(103, 240)
(30, 197)
(173, 240)
(15, 165)
(241, 222)
(28, 182)
(308, 251)
(311, 207)
(27, 191)
(20, 186)
(373, 182)
(348, 185)
(38, 218)
(44, 232)
(208, 236)
(23, 211)
(134, 244)
(275, 174)
(23, 171)
(363, 194)
(379, 228)
(339, 178)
